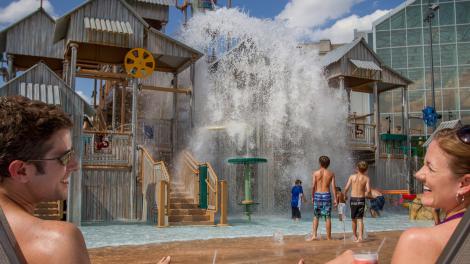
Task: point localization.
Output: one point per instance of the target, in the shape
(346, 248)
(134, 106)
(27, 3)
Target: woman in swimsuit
(446, 179)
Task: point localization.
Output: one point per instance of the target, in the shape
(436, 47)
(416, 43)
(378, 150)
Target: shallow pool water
(138, 234)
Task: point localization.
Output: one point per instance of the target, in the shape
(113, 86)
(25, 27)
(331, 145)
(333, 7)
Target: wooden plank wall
(106, 9)
(152, 11)
(34, 37)
(106, 196)
(158, 45)
(359, 52)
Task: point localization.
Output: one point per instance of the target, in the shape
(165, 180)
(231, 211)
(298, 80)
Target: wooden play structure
(355, 67)
(139, 117)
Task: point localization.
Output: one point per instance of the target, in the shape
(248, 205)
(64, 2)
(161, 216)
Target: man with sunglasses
(36, 162)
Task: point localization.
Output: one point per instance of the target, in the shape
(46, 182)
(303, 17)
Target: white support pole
(406, 131)
(132, 190)
(73, 65)
(113, 116)
(377, 128)
(10, 69)
(175, 116)
(65, 71)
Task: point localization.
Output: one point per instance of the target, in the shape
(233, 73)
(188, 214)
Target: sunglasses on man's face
(464, 134)
(64, 159)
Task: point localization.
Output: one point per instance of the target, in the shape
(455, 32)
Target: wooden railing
(361, 135)
(212, 182)
(112, 149)
(155, 181)
(190, 172)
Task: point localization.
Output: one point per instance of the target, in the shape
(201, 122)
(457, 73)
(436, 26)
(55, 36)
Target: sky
(320, 19)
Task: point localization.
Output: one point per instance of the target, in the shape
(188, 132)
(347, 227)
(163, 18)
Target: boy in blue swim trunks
(322, 179)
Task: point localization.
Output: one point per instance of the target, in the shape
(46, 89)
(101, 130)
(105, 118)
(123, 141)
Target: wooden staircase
(184, 210)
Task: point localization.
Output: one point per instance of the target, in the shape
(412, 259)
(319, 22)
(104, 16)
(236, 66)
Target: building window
(417, 76)
(464, 53)
(464, 76)
(415, 57)
(416, 101)
(398, 20)
(450, 99)
(399, 58)
(446, 14)
(448, 55)
(385, 55)
(385, 25)
(398, 38)
(463, 33)
(413, 17)
(447, 34)
(385, 102)
(383, 39)
(414, 36)
(463, 9)
(449, 77)
(465, 99)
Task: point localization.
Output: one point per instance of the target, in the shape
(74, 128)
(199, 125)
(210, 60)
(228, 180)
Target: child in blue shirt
(297, 196)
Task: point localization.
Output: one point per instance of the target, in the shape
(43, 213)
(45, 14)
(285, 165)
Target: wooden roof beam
(166, 89)
(93, 74)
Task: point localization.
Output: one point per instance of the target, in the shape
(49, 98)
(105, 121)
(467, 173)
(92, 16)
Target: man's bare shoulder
(56, 242)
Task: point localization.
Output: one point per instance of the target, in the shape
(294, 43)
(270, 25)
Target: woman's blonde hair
(458, 151)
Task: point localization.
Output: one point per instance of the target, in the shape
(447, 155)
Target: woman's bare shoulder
(418, 245)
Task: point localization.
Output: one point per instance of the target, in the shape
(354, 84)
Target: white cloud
(16, 10)
(342, 31)
(85, 97)
(313, 13)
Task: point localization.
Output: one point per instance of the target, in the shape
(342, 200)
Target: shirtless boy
(341, 202)
(360, 186)
(322, 179)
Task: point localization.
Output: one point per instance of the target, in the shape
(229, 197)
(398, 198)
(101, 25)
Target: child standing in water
(341, 201)
(297, 196)
(359, 184)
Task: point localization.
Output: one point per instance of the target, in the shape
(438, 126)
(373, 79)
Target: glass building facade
(402, 40)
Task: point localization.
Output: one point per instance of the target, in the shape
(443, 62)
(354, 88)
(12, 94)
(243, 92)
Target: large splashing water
(263, 94)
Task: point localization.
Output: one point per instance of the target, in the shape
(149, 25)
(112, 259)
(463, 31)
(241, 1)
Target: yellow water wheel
(139, 63)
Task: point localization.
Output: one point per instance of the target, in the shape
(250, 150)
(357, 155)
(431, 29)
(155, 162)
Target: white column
(65, 71)
(73, 65)
(348, 92)
(132, 188)
(113, 116)
(377, 128)
(10, 69)
(175, 116)
(406, 131)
